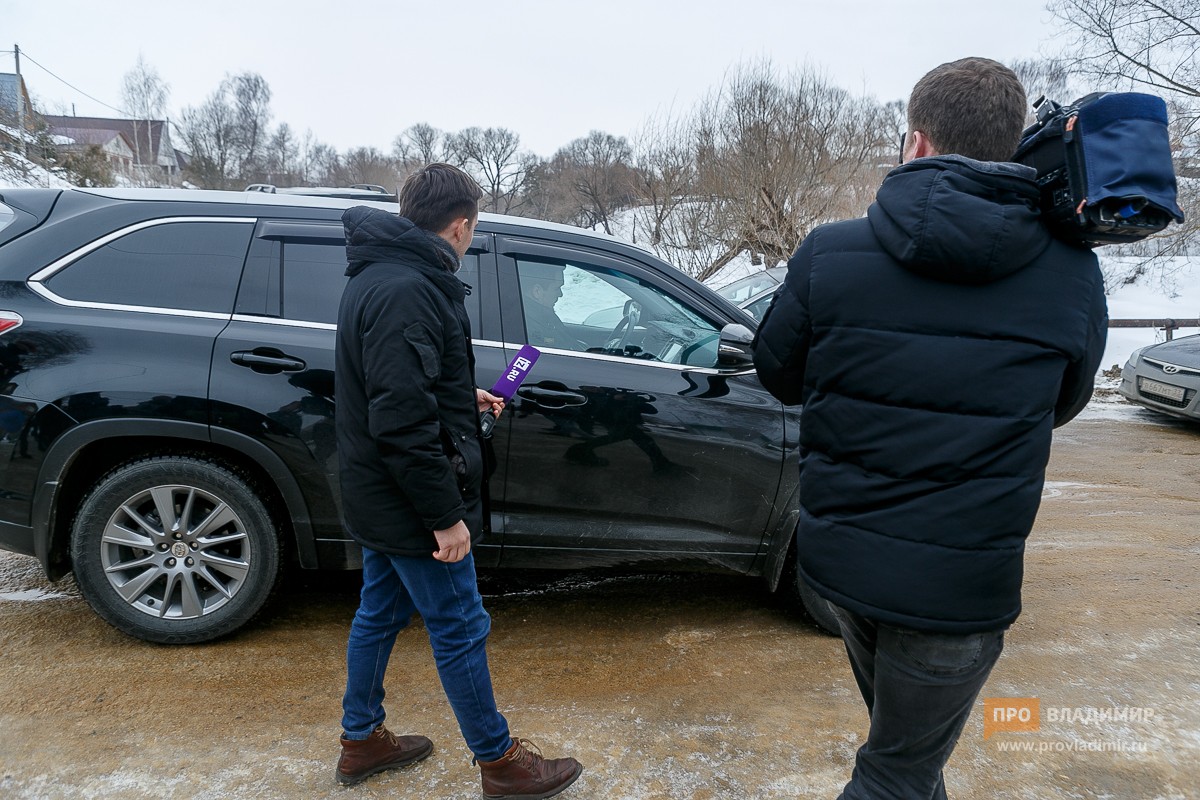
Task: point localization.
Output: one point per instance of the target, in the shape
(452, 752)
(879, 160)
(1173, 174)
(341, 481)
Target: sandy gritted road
(663, 686)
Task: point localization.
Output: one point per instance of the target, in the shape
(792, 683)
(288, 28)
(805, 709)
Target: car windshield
(744, 288)
(758, 306)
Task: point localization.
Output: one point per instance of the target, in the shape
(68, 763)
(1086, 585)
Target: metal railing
(1168, 326)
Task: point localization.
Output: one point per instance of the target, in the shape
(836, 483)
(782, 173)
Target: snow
(18, 171)
(31, 595)
(1178, 299)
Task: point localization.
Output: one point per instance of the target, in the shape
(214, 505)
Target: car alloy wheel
(175, 552)
(175, 549)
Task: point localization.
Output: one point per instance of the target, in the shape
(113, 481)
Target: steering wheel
(631, 313)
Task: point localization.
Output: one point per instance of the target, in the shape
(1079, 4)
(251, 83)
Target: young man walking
(934, 344)
(412, 472)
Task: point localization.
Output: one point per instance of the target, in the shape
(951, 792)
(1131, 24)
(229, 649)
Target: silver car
(1165, 377)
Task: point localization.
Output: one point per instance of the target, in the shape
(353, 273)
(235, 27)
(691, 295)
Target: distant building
(115, 145)
(14, 96)
(149, 141)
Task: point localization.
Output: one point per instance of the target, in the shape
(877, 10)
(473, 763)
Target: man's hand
(453, 543)
(486, 401)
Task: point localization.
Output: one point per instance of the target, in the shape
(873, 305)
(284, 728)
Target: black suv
(168, 402)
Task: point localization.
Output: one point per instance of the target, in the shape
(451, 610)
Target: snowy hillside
(16, 170)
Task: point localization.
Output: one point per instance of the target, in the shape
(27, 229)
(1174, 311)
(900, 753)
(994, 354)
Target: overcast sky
(358, 73)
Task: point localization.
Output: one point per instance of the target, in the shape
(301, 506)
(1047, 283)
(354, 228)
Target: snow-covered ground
(1180, 299)
(18, 171)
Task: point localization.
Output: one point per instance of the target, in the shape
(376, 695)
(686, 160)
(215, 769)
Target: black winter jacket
(934, 345)
(405, 389)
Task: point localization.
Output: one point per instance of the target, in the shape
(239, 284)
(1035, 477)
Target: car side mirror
(734, 347)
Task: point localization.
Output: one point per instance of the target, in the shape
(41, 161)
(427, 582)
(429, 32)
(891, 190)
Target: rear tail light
(9, 320)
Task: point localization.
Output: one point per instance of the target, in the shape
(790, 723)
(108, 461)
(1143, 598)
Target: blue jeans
(447, 598)
(919, 688)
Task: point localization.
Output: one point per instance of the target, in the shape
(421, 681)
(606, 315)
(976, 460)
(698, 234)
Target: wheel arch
(783, 534)
(82, 455)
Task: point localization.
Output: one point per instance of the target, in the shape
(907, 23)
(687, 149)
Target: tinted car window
(310, 280)
(186, 265)
(574, 306)
(304, 281)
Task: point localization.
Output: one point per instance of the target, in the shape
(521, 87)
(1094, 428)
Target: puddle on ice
(30, 596)
(1059, 488)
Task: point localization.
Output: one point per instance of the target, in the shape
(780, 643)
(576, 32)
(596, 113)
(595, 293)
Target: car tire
(203, 574)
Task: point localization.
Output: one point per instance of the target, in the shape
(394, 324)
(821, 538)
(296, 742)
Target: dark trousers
(919, 688)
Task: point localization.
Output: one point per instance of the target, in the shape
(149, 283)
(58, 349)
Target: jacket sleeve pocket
(431, 363)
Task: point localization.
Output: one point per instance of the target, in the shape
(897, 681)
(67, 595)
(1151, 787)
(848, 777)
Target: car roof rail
(371, 187)
(269, 188)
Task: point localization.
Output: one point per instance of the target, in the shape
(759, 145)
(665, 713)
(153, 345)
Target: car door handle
(551, 398)
(267, 360)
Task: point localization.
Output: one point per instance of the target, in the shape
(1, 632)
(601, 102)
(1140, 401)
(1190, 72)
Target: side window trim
(264, 281)
(297, 231)
(36, 282)
(264, 273)
(45, 273)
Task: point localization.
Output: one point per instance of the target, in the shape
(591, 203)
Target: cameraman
(934, 345)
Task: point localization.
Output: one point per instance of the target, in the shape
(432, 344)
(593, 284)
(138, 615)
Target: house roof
(96, 136)
(145, 135)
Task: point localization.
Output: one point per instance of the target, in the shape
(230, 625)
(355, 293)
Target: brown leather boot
(381, 750)
(522, 774)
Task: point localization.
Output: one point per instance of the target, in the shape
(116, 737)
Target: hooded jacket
(934, 345)
(407, 424)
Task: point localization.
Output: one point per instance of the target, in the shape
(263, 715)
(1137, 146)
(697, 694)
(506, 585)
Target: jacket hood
(957, 220)
(375, 235)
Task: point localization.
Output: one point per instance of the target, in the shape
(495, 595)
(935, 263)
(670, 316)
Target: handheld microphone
(507, 384)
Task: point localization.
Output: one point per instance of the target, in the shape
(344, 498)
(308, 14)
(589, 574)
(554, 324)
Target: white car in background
(1165, 377)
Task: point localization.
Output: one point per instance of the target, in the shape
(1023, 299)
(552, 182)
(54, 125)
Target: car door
(626, 443)
(273, 367)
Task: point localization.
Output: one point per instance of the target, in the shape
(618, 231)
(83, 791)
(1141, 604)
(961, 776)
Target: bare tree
(369, 165)
(780, 156)
(323, 165)
(1147, 45)
(664, 171)
(596, 178)
(252, 105)
(1154, 44)
(283, 157)
(493, 156)
(227, 135)
(209, 135)
(418, 145)
(1045, 77)
(144, 95)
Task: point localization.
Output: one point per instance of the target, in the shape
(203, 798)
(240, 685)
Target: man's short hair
(973, 107)
(436, 195)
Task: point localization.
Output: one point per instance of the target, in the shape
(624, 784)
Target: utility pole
(20, 99)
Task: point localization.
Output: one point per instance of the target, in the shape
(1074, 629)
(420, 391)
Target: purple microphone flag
(510, 381)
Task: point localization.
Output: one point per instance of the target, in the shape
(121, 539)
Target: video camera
(1103, 166)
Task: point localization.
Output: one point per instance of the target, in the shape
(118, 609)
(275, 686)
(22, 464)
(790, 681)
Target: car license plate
(1162, 390)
